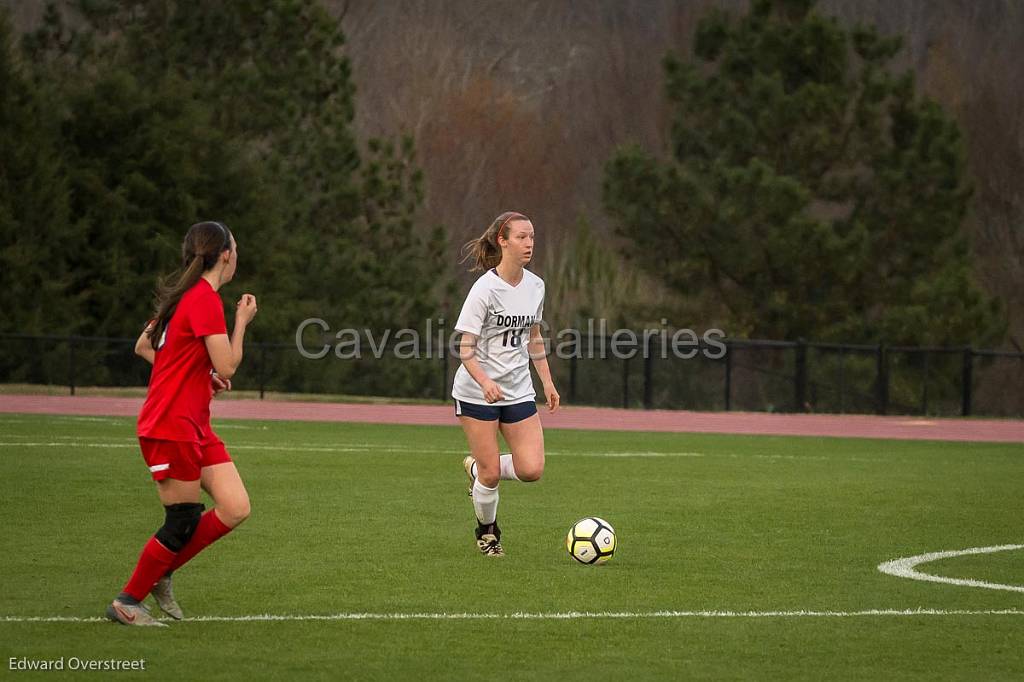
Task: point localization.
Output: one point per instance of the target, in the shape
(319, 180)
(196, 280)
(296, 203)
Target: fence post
(648, 373)
(625, 382)
(728, 376)
(444, 374)
(842, 380)
(924, 383)
(967, 382)
(881, 380)
(572, 373)
(800, 376)
(263, 368)
(71, 364)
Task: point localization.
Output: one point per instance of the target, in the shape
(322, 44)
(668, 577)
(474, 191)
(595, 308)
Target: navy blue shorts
(506, 414)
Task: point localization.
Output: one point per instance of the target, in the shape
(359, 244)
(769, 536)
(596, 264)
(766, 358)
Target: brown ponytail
(204, 242)
(484, 252)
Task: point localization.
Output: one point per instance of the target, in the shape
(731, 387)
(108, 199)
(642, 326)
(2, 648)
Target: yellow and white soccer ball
(591, 541)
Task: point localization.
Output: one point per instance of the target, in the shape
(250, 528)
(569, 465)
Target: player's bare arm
(538, 353)
(225, 354)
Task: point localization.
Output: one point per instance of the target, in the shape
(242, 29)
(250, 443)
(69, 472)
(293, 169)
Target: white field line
(563, 615)
(80, 441)
(77, 441)
(73, 418)
(905, 567)
(69, 444)
(241, 427)
(287, 448)
(627, 454)
(90, 441)
(85, 441)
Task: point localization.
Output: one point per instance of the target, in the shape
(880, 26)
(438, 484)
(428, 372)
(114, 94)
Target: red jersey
(177, 405)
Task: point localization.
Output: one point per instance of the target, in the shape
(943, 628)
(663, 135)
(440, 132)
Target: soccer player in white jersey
(493, 388)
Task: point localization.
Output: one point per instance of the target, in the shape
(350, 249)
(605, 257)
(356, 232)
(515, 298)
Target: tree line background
(779, 169)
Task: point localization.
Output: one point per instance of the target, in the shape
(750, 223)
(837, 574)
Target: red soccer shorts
(182, 460)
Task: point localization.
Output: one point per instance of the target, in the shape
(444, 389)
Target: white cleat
(467, 464)
(488, 540)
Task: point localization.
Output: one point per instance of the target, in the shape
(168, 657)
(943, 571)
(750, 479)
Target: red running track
(597, 418)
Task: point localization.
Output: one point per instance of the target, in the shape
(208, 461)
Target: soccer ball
(591, 541)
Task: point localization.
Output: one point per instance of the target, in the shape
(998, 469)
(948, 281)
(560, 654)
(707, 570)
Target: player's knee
(180, 523)
(488, 478)
(488, 475)
(530, 472)
(234, 511)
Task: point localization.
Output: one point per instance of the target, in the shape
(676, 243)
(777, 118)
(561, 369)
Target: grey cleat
(132, 614)
(164, 597)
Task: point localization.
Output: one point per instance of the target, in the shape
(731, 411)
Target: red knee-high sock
(153, 563)
(209, 530)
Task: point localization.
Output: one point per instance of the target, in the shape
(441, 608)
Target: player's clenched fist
(246, 308)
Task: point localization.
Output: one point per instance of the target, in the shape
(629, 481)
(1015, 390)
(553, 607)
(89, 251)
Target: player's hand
(492, 392)
(219, 384)
(554, 400)
(246, 308)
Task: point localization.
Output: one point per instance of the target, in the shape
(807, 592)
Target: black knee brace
(179, 525)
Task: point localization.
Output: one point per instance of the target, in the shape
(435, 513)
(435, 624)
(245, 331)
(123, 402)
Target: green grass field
(354, 519)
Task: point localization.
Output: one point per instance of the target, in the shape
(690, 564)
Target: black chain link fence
(750, 375)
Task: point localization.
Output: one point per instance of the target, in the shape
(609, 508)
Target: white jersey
(501, 316)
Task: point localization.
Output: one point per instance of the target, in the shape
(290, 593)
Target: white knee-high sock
(485, 502)
(508, 470)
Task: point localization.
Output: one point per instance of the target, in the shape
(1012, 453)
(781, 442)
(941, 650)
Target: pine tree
(808, 189)
(34, 216)
(277, 81)
(143, 164)
(175, 112)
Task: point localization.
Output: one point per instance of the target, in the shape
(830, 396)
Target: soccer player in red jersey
(193, 358)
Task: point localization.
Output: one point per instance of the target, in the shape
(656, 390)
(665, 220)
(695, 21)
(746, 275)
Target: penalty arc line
(567, 615)
(905, 567)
